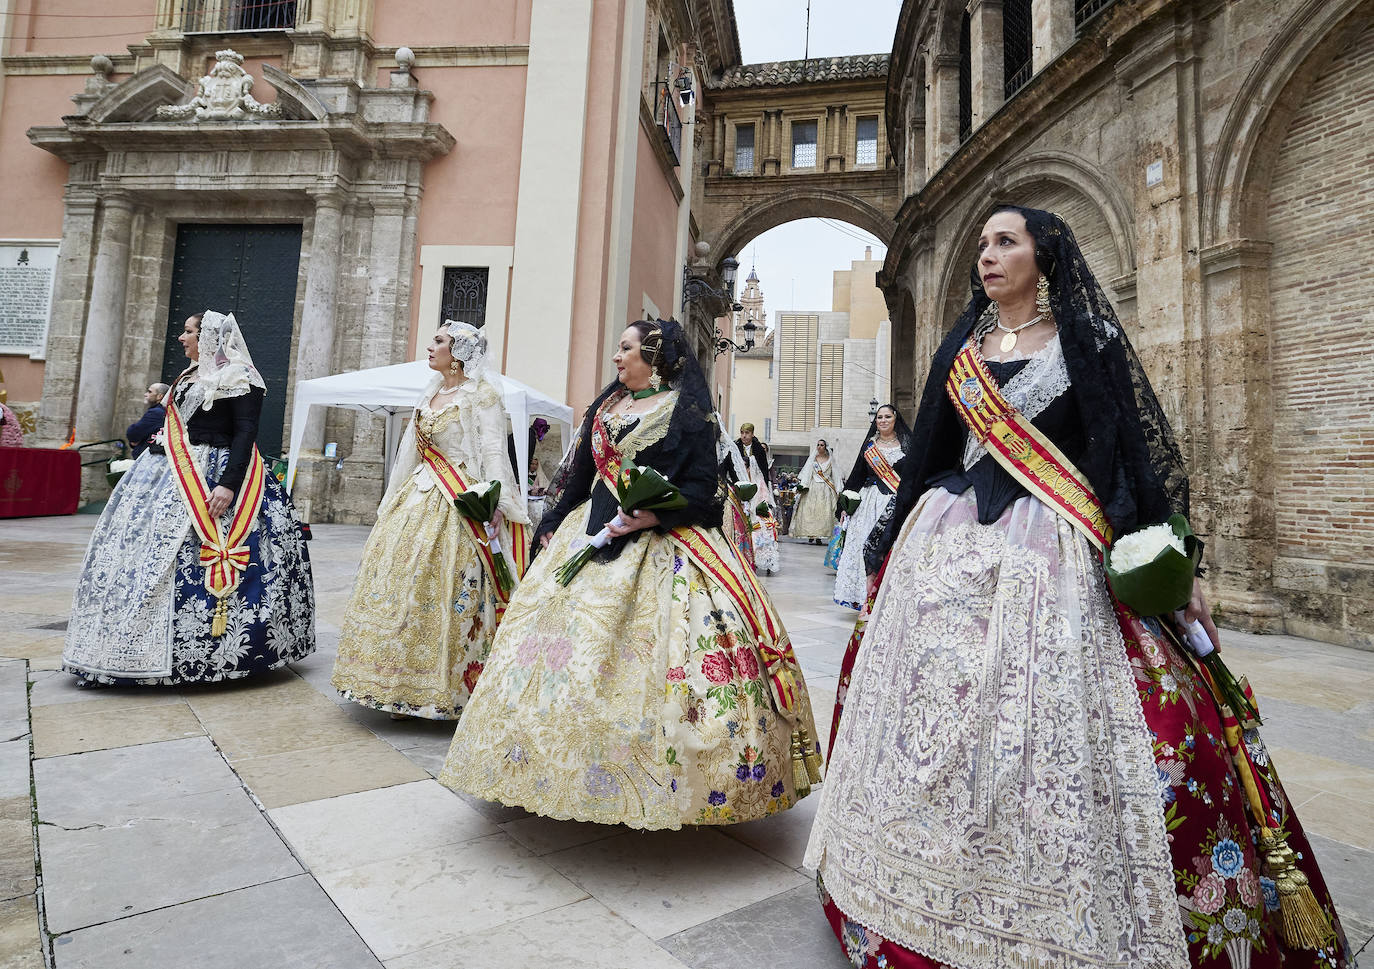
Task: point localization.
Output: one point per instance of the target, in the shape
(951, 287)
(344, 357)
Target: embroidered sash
(454, 484)
(222, 554)
(1022, 448)
(739, 583)
(881, 467)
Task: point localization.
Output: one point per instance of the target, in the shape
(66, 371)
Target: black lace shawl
(1131, 458)
(686, 455)
(860, 473)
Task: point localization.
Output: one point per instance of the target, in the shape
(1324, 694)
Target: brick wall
(1321, 208)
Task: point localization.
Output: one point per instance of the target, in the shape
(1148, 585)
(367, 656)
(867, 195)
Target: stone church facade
(1213, 160)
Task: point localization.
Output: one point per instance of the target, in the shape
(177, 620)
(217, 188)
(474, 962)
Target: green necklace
(648, 392)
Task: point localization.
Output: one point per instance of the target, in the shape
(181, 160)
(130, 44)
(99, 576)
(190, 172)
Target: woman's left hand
(220, 500)
(1199, 610)
(635, 521)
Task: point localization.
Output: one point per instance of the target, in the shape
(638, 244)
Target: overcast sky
(795, 261)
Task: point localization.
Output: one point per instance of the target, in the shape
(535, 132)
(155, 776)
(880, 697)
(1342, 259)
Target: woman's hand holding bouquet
(637, 490)
(479, 503)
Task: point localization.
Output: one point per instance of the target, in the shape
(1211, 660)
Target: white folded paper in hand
(1194, 635)
(602, 538)
(493, 538)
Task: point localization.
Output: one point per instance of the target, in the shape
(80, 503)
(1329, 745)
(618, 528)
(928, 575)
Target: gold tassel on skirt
(811, 756)
(221, 620)
(801, 778)
(1304, 924)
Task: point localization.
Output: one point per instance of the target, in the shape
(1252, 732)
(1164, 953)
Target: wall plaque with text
(26, 278)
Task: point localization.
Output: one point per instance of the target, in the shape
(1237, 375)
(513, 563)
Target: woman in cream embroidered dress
(1025, 774)
(634, 695)
(424, 610)
(889, 433)
(814, 518)
(141, 614)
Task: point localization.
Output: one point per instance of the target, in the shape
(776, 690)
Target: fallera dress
(635, 695)
(424, 609)
(815, 514)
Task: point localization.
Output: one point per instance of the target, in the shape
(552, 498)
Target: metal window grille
(465, 295)
(669, 123)
(797, 335)
(803, 144)
(744, 149)
(965, 77)
(1085, 10)
(830, 407)
(866, 147)
(1016, 45)
(221, 16)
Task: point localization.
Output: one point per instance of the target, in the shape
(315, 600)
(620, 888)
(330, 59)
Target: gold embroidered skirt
(633, 696)
(423, 614)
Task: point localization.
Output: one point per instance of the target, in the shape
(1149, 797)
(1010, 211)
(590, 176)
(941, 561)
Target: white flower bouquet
(1151, 570)
(849, 501)
(636, 489)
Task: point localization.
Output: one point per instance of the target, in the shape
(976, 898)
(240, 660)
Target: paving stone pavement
(270, 824)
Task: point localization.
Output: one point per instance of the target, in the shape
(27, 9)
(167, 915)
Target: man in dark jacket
(141, 431)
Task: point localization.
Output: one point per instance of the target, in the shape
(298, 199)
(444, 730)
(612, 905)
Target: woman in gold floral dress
(658, 688)
(425, 607)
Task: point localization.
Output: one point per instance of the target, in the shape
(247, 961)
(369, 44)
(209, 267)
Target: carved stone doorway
(250, 271)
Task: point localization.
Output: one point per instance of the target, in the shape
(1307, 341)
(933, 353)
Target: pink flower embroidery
(557, 654)
(717, 668)
(1209, 895)
(528, 651)
(1248, 886)
(676, 674)
(745, 662)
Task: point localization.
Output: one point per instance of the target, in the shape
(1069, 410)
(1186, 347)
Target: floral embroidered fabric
(632, 696)
(141, 613)
(815, 514)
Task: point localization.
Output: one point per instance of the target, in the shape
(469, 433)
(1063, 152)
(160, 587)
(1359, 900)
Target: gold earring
(655, 380)
(453, 367)
(1042, 295)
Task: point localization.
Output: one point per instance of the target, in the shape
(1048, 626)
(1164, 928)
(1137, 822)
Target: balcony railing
(666, 117)
(1085, 10)
(223, 16)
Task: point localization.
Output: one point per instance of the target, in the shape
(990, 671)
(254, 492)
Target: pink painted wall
(451, 22)
(654, 248)
(587, 341)
(79, 26)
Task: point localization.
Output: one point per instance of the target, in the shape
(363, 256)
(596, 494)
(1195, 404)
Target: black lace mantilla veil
(859, 472)
(1131, 458)
(686, 455)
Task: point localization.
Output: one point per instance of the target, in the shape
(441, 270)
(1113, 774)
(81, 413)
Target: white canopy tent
(392, 392)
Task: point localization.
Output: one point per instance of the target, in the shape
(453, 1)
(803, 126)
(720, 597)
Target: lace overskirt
(851, 580)
(141, 613)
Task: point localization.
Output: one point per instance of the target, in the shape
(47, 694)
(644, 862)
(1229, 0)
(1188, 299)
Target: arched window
(1016, 45)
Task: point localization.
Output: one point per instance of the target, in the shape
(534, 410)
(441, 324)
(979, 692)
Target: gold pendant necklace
(1008, 343)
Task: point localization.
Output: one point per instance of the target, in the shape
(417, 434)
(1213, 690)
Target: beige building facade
(526, 166)
(1213, 161)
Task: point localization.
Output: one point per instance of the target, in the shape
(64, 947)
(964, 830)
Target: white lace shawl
(476, 440)
(1030, 390)
(225, 367)
(807, 477)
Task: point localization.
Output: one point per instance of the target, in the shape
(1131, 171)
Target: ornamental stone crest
(222, 95)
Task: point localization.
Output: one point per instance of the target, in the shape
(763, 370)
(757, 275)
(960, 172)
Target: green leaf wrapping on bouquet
(849, 503)
(745, 490)
(762, 510)
(1163, 584)
(644, 489)
(480, 506)
(636, 489)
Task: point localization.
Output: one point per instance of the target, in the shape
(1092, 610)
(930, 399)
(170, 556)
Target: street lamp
(873, 409)
(724, 343)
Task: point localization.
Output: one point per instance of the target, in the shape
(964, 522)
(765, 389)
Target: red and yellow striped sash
(1022, 448)
(881, 466)
(454, 484)
(739, 583)
(222, 554)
